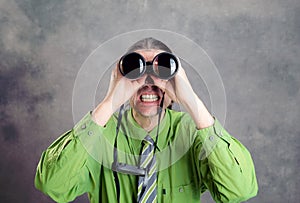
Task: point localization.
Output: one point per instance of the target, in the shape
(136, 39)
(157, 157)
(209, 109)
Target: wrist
(198, 112)
(103, 112)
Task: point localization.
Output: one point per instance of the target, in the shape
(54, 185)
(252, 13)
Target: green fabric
(190, 161)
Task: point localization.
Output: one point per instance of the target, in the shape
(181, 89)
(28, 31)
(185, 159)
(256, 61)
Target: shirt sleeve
(63, 172)
(225, 166)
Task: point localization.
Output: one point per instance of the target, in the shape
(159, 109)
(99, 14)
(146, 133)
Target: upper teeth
(149, 97)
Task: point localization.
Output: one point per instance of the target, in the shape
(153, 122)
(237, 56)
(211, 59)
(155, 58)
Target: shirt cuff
(212, 137)
(86, 127)
(90, 135)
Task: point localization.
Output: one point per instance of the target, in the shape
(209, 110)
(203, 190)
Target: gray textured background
(254, 44)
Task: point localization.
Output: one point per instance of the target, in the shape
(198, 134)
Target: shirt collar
(131, 128)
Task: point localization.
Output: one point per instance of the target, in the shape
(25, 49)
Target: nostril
(149, 80)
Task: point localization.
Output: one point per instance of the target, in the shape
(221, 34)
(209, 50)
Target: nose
(149, 80)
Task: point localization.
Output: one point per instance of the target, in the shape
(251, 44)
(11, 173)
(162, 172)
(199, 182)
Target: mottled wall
(254, 44)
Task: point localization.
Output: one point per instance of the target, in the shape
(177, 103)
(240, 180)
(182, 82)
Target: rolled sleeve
(96, 140)
(225, 165)
(210, 137)
(86, 127)
(62, 173)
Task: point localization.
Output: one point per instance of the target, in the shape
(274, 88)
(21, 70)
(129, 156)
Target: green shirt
(190, 161)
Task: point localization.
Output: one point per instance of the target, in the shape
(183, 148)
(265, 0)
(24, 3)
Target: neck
(147, 122)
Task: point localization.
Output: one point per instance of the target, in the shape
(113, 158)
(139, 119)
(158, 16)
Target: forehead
(149, 54)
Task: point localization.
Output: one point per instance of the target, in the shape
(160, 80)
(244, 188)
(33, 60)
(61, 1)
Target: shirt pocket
(181, 193)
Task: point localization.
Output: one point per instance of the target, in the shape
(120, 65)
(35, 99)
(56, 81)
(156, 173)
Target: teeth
(149, 97)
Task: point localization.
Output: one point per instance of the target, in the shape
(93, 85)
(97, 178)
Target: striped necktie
(147, 186)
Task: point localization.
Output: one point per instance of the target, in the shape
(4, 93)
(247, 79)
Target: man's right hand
(120, 90)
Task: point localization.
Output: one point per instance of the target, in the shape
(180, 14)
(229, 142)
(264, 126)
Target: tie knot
(148, 140)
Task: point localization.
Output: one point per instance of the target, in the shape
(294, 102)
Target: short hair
(149, 43)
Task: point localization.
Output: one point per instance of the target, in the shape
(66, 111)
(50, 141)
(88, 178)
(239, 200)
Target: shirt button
(90, 133)
(180, 189)
(83, 126)
(211, 138)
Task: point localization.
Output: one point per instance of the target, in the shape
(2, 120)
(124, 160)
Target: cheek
(132, 100)
(167, 101)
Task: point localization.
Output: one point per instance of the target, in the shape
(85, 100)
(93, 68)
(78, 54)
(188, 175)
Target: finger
(142, 79)
(168, 87)
(118, 73)
(139, 82)
(171, 90)
(181, 73)
(159, 82)
(114, 74)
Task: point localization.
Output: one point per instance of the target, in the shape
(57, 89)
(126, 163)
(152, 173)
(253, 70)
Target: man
(148, 153)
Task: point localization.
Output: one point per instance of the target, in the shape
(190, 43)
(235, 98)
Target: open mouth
(149, 97)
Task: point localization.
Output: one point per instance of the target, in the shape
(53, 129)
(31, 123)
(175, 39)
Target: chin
(148, 112)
